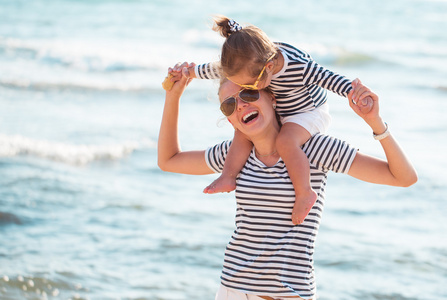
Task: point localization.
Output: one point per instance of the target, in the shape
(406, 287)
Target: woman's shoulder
(329, 153)
(215, 155)
(320, 142)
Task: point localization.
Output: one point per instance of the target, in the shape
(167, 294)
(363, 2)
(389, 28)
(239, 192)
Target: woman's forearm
(396, 170)
(168, 143)
(399, 165)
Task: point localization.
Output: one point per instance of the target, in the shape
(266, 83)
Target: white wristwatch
(383, 135)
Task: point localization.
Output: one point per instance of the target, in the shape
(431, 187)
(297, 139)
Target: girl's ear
(270, 65)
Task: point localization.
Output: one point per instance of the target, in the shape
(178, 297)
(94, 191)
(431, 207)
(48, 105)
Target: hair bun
(225, 26)
(234, 26)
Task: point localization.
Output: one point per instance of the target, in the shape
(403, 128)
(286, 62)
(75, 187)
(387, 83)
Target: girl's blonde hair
(246, 49)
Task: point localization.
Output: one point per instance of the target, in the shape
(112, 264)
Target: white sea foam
(70, 64)
(94, 84)
(68, 153)
(86, 56)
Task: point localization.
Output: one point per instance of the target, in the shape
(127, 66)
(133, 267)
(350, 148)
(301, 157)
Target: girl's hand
(180, 81)
(185, 69)
(365, 104)
(362, 95)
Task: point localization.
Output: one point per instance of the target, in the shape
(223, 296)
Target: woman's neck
(265, 147)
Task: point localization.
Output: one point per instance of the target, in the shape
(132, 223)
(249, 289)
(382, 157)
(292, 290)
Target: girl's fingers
(178, 67)
(354, 85)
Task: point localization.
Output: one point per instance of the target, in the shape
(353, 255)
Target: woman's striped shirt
(268, 255)
(301, 84)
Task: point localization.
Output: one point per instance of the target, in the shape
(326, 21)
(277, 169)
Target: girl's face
(245, 80)
(249, 118)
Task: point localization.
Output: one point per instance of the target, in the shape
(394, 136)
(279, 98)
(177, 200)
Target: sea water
(85, 213)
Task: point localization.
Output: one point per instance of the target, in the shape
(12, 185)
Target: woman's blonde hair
(246, 49)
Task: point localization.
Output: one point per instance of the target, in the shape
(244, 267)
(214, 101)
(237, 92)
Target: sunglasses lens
(249, 95)
(228, 106)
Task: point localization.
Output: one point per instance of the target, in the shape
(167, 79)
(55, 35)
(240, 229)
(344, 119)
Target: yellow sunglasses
(255, 85)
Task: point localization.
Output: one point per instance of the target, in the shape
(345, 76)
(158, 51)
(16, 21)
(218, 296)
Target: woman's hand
(359, 94)
(187, 69)
(364, 103)
(179, 72)
(371, 117)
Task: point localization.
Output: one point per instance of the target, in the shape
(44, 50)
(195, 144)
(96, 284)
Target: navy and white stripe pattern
(210, 70)
(234, 26)
(268, 255)
(300, 86)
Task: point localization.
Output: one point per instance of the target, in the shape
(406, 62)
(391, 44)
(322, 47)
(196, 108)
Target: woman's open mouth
(250, 116)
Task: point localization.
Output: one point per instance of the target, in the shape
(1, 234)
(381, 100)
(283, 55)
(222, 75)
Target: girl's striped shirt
(301, 84)
(267, 255)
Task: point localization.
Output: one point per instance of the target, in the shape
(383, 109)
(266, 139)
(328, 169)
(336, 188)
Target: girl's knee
(292, 134)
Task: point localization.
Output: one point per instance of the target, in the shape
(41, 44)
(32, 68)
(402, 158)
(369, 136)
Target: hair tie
(234, 26)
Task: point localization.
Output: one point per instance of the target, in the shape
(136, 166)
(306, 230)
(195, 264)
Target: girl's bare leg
(290, 139)
(236, 158)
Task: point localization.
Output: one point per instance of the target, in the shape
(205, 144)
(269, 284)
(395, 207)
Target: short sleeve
(215, 156)
(329, 154)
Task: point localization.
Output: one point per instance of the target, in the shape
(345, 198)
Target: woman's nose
(240, 103)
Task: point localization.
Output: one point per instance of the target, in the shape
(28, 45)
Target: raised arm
(316, 74)
(170, 156)
(397, 170)
(209, 70)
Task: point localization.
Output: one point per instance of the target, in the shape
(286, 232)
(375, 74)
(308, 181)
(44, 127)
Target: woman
(268, 257)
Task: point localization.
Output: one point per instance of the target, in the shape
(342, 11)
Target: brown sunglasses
(228, 106)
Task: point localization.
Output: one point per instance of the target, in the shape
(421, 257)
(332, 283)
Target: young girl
(253, 62)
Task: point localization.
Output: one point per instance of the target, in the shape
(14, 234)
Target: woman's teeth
(250, 116)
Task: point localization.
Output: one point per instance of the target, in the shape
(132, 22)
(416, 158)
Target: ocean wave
(37, 287)
(436, 87)
(67, 153)
(76, 55)
(352, 58)
(105, 86)
(337, 55)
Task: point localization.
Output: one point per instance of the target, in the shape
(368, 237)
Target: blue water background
(85, 213)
